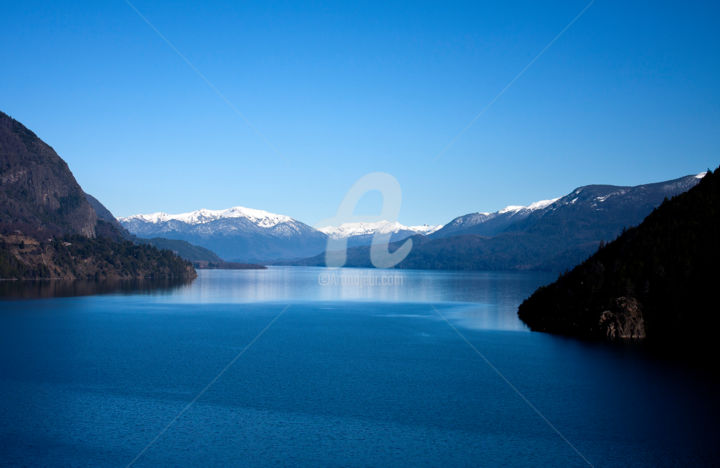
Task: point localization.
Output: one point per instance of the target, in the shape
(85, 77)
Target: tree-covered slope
(79, 257)
(655, 281)
(186, 250)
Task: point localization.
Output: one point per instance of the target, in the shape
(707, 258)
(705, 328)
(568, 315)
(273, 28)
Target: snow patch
(538, 205)
(511, 208)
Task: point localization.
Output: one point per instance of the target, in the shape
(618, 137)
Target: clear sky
(629, 94)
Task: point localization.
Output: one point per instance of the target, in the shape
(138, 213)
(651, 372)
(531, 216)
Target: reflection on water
(359, 284)
(303, 284)
(482, 300)
(62, 288)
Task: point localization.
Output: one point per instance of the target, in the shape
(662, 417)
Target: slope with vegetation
(79, 257)
(655, 281)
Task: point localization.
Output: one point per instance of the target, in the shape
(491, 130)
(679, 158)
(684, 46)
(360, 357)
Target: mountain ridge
(241, 234)
(352, 229)
(236, 234)
(260, 217)
(553, 236)
(566, 228)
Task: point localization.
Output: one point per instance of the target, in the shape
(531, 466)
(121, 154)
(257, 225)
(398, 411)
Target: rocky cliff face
(49, 229)
(623, 320)
(38, 194)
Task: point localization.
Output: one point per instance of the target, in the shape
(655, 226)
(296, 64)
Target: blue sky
(629, 94)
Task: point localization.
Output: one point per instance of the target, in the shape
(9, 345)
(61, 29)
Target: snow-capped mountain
(538, 205)
(362, 233)
(250, 235)
(592, 205)
(347, 230)
(259, 217)
(490, 224)
(236, 234)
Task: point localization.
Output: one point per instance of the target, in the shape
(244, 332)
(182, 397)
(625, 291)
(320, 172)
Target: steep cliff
(49, 228)
(38, 194)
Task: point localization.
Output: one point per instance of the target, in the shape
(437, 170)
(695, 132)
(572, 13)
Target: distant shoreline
(202, 265)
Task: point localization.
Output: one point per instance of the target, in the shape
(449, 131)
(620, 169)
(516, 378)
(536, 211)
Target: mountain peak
(261, 218)
(369, 228)
(239, 234)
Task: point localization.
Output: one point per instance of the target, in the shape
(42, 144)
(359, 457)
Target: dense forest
(79, 257)
(656, 281)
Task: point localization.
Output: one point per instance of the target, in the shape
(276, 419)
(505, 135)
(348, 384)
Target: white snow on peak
(701, 175)
(382, 227)
(259, 217)
(426, 229)
(511, 208)
(538, 205)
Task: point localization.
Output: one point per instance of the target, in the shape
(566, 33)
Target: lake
(318, 367)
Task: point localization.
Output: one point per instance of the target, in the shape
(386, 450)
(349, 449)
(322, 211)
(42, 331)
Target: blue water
(310, 367)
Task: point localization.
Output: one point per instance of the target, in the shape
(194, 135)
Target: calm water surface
(316, 367)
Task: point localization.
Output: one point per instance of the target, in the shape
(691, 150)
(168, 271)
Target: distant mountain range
(551, 235)
(200, 257)
(237, 234)
(593, 211)
(490, 224)
(250, 235)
